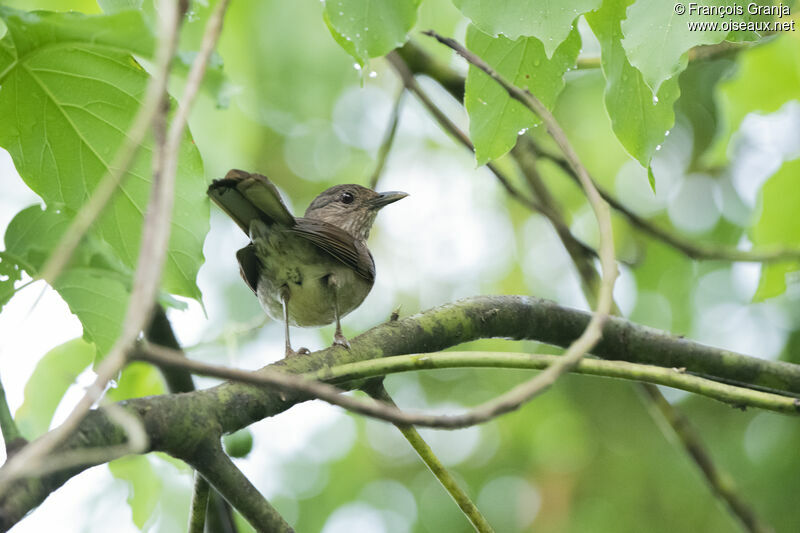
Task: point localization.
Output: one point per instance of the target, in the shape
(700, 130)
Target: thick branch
(176, 424)
(218, 469)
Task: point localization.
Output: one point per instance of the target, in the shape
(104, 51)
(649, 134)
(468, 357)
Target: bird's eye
(347, 198)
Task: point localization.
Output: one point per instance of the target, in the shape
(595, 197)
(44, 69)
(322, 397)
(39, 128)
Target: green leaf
(93, 286)
(144, 485)
(495, 119)
(657, 40)
(778, 225)
(116, 6)
(53, 375)
(550, 22)
(374, 27)
(640, 120)
(698, 84)
(69, 90)
(348, 45)
(136, 381)
(768, 76)
(99, 300)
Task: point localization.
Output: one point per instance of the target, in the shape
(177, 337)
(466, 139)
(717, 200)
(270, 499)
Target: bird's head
(351, 207)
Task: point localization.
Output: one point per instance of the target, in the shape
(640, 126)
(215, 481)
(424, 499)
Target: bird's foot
(340, 340)
(300, 351)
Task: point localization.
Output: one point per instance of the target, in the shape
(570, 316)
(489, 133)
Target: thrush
(310, 270)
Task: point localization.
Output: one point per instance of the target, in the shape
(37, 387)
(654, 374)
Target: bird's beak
(385, 198)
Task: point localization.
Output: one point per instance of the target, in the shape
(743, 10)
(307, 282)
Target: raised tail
(246, 197)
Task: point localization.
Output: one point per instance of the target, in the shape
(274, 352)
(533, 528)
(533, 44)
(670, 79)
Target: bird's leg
(338, 338)
(285, 301)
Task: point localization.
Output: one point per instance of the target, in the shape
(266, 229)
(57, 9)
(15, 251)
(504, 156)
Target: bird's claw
(300, 351)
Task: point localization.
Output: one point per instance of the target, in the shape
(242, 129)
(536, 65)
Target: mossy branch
(179, 423)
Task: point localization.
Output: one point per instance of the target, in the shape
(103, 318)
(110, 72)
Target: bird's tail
(246, 197)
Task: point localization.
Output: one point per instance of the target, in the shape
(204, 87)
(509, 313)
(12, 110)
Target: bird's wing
(246, 197)
(338, 243)
(249, 267)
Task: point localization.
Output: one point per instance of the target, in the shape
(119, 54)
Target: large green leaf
(99, 300)
(698, 84)
(639, 119)
(657, 39)
(778, 225)
(94, 288)
(69, 90)
(768, 76)
(495, 119)
(144, 485)
(53, 375)
(373, 27)
(548, 21)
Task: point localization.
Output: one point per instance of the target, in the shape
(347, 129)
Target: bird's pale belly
(308, 278)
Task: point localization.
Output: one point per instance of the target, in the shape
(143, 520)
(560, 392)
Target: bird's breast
(305, 273)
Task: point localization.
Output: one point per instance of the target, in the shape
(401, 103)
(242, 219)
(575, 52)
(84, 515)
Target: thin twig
(601, 211)
(690, 248)
(197, 513)
(593, 331)
(670, 417)
(137, 442)
(388, 139)
(582, 258)
(160, 332)
(155, 233)
(31, 456)
(449, 126)
(738, 397)
(420, 62)
(720, 484)
(698, 53)
(308, 384)
(12, 437)
(376, 389)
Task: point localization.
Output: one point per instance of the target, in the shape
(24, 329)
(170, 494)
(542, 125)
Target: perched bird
(311, 270)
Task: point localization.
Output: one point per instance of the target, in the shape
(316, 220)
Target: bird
(306, 271)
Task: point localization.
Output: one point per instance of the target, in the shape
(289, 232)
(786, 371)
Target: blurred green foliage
(287, 101)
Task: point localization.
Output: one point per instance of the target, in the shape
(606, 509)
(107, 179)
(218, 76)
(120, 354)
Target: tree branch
(478, 521)
(524, 152)
(605, 299)
(450, 127)
(215, 466)
(720, 484)
(177, 423)
(388, 140)
(155, 232)
(398, 62)
(31, 456)
(420, 62)
(676, 378)
(12, 437)
(197, 513)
